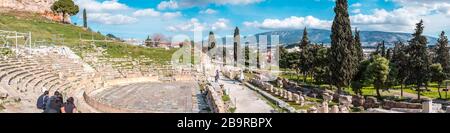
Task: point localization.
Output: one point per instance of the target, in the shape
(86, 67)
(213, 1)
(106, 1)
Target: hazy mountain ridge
(369, 38)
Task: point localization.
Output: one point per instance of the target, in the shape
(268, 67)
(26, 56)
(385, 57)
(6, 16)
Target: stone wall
(214, 100)
(393, 104)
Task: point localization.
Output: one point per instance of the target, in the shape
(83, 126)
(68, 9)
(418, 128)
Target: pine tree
(418, 62)
(65, 7)
(84, 19)
(236, 46)
(342, 63)
(400, 59)
(442, 52)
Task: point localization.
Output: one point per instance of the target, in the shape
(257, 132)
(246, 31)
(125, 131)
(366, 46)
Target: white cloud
(192, 25)
(169, 15)
(356, 5)
(175, 4)
(403, 18)
(106, 18)
(153, 13)
(95, 6)
(146, 12)
(208, 11)
(168, 5)
(293, 22)
(195, 25)
(222, 23)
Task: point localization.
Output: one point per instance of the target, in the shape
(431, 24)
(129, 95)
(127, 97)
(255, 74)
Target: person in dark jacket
(42, 101)
(54, 103)
(69, 106)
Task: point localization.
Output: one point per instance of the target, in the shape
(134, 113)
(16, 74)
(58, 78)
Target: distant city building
(133, 41)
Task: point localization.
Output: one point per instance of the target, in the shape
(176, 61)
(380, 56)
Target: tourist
(54, 103)
(69, 106)
(217, 76)
(241, 77)
(42, 100)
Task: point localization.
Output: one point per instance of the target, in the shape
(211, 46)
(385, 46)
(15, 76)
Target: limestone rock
(327, 97)
(312, 110)
(334, 109)
(345, 100)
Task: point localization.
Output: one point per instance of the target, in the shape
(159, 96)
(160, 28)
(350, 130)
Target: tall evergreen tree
(400, 59)
(358, 46)
(85, 18)
(305, 41)
(342, 62)
(442, 53)
(211, 41)
(306, 57)
(419, 62)
(212, 44)
(236, 45)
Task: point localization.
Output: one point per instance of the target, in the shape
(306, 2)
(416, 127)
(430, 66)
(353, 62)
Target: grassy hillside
(45, 30)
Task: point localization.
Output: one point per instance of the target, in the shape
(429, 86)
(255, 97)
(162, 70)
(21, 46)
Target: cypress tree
(341, 52)
(358, 46)
(84, 19)
(236, 46)
(212, 44)
(211, 41)
(305, 41)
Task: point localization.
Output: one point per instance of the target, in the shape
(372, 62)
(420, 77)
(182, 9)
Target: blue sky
(139, 18)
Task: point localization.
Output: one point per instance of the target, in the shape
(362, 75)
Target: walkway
(247, 100)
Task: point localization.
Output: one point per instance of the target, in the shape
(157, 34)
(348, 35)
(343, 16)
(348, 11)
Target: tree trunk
(378, 93)
(418, 92)
(339, 89)
(439, 90)
(63, 17)
(401, 90)
(305, 75)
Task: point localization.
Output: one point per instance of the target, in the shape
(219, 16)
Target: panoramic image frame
(262, 58)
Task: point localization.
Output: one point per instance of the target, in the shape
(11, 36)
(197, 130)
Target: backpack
(42, 101)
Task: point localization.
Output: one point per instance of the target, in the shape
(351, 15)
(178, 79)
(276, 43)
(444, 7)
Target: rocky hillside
(34, 6)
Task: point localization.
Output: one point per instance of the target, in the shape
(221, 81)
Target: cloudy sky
(139, 18)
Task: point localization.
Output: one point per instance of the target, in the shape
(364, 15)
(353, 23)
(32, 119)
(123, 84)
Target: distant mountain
(369, 38)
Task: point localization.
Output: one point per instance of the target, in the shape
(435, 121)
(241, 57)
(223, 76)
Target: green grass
(43, 29)
(6, 52)
(226, 98)
(232, 110)
(296, 78)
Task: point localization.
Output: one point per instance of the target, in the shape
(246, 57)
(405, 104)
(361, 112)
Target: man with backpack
(42, 101)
